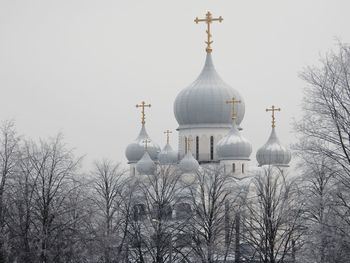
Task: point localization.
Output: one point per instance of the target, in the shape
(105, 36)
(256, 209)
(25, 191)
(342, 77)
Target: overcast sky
(80, 66)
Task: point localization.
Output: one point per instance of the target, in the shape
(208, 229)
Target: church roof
(273, 152)
(233, 146)
(167, 155)
(146, 165)
(188, 164)
(202, 103)
(136, 149)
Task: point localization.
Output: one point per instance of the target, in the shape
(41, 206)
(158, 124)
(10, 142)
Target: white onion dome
(167, 155)
(233, 146)
(135, 150)
(146, 165)
(202, 103)
(273, 152)
(188, 164)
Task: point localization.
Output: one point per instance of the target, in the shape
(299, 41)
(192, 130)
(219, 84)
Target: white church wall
(133, 171)
(204, 143)
(204, 135)
(240, 169)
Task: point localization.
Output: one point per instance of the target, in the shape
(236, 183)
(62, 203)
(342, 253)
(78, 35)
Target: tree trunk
(237, 243)
(2, 252)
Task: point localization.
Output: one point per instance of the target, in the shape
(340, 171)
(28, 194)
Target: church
(209, 113)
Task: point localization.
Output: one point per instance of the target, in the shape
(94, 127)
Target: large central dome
(202, 104)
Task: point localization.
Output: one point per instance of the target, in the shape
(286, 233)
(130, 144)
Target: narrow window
(197, 147)
(211, 147)
(233, 167)
(183, 211)
(243, 168)
(166, 211)
(185, 145)
(139, 212)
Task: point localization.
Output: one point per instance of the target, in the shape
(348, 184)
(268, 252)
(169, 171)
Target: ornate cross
(167, 132)
(273, 109)
(233, 101)
(146, 141)
(208, 20)
(142, 106)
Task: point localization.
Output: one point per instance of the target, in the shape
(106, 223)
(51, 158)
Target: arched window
(161, 211)
(197, 148)
(183, 211)
(155, 213)
(167, 211)
(242, 168)
(164, 239)
(183, 240)
(139, 212)
(211, 147)
(233, 167)
(136, 241)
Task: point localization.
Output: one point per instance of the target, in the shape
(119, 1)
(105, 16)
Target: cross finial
(142, 106)
(167, 132)
(233, 101)
(208, 20)
(146, 141)
(273, 109)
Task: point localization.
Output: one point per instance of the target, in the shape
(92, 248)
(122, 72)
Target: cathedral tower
(200, 108)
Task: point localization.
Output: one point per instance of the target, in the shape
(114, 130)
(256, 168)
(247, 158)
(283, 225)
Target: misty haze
(174, 132)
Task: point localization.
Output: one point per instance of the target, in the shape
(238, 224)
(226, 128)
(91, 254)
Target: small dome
(136, 149)
(146, 165)
(167, 155)
(202, 104)
(233, 146)
(188, 164)
(273, 153)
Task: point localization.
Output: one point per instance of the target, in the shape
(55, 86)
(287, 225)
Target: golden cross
(189, 144)
(233, 101)
(142, 106)
(146, 141)
(208, 20)
(167, 132)
(273, 109)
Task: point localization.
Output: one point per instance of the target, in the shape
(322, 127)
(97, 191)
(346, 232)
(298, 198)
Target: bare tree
(325, 132)
(21, 198)
(54, 168)
(273, 218)
(71, 239)
(318, 187)
(326, 106)
(214, 218)
(153, 229)
(111, 220)
(8, 160)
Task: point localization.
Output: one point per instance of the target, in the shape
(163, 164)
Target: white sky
(80, 66)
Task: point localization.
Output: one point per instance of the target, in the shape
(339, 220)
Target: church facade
(209, 113)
